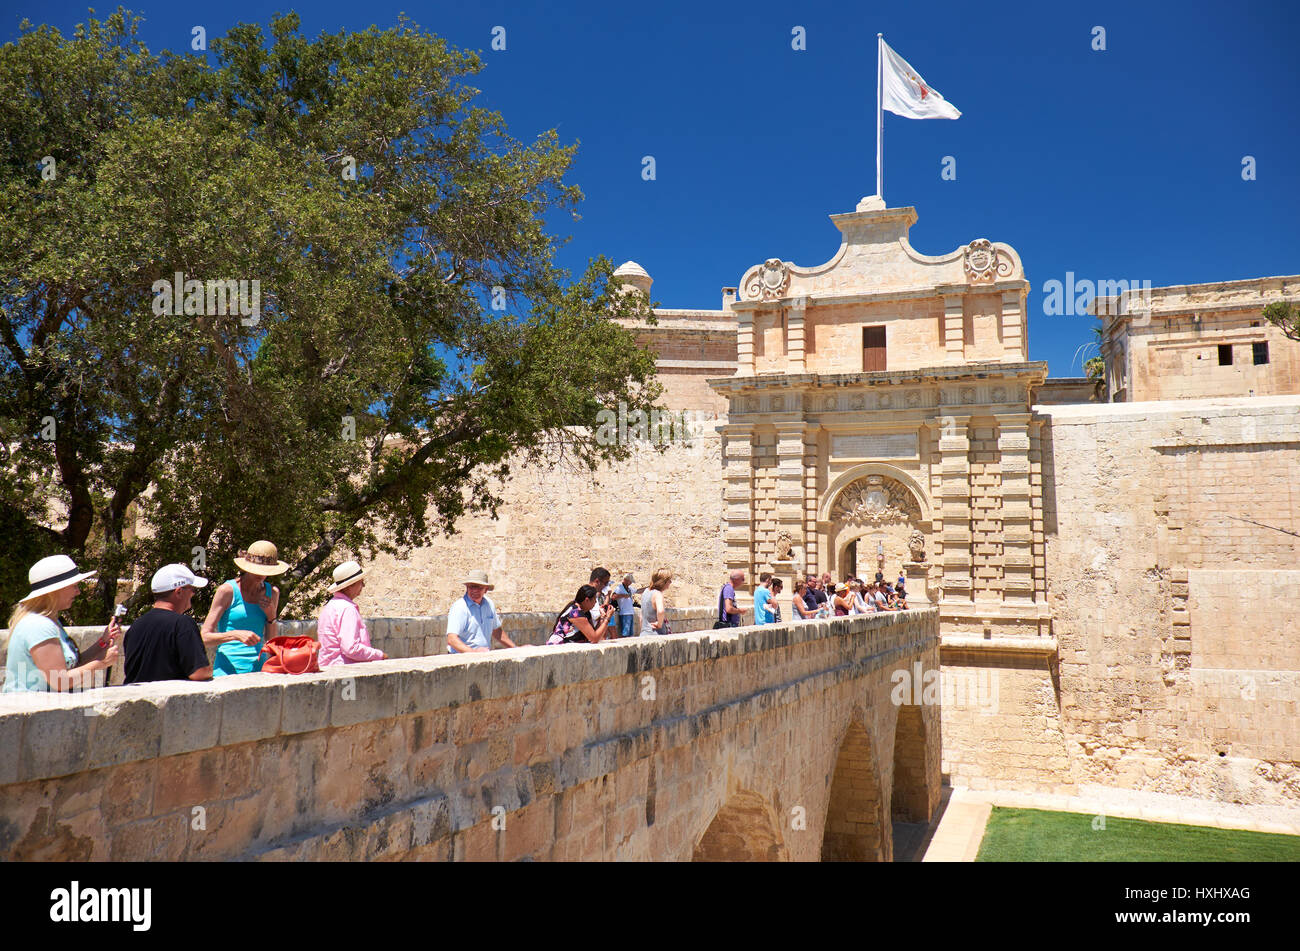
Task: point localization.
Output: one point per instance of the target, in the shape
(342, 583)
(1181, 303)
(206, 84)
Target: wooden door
(873, 349)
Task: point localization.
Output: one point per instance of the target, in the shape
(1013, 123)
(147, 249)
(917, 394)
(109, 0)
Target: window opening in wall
(1259, 350)
(873, 348)
(1225, 354)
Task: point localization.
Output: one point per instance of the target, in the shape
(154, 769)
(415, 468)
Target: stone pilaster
(1013, 324)
(766, 503)
(954, 507)
(794, 341)
(790, 480)
(986, 511)
(738, 494)
(745, 341)
(1036, 507)
(811, 493)
(954, 334)
(1017, 510)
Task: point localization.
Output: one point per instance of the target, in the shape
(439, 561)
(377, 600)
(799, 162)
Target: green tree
(1286, 317)
(415, 338)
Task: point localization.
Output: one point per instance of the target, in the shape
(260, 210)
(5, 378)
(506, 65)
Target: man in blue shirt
(762, 613)
(472, 622)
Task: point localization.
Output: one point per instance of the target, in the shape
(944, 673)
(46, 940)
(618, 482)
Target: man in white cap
(164, 643)
(472, 622)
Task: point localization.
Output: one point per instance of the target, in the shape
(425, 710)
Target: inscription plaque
(875, 446)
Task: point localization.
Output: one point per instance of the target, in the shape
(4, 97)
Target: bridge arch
(910, 797)
(744, 830)
(855, 829)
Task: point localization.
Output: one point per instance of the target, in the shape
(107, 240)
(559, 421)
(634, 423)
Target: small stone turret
(633, 276)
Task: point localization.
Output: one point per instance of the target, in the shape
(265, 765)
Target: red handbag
(291, 655)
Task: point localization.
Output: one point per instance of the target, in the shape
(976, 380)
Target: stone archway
(872, 512)
(855, 830)
(744, 830)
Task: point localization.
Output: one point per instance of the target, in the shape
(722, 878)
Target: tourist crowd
(813, 598)
(166, 643)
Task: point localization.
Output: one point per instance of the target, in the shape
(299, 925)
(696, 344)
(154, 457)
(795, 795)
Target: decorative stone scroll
(876, 500)
(984, 263)
(770, 282)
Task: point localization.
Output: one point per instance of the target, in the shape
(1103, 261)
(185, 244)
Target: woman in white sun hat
(244, 610)
(340, 628)
(41, 656)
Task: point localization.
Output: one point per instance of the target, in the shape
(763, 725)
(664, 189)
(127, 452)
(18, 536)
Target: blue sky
(1117, 164)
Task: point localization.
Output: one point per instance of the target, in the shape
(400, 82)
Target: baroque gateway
(880, 412)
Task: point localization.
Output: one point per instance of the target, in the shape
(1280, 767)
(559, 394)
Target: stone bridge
(760, 743)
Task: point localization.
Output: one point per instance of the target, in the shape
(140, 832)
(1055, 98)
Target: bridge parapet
(644, 748)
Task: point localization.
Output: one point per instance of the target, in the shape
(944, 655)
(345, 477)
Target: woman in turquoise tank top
(244, 611)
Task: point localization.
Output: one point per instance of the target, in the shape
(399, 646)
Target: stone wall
(1174, 581)
(771, 742)
(1163, 343)
(657, 510)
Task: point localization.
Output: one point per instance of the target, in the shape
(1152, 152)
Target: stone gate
(882, 401)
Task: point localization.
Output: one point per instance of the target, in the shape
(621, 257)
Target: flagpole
(880, 118)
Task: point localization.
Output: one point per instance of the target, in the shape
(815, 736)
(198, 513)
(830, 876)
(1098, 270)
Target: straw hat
(346, 574)
(477, 577)
(261, 558)
(52, 574)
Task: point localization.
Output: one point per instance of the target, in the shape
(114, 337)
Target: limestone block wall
(706, 745)
(1174, 565)
(833, 336)
(1167, 346)
(689, 390)
(1002, 715)
(654, 510)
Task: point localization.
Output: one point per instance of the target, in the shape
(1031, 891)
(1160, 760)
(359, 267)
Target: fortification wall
(777, 739)
(1173, 565)
(656, 510)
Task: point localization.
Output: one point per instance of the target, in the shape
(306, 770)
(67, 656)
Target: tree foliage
(377, 301)
(1286, 317)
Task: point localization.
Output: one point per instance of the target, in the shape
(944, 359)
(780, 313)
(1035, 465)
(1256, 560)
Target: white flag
(906, 94)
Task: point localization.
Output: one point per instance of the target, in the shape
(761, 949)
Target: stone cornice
(1002, 644)
(696, 364)
(1032, 372)
(933, 292)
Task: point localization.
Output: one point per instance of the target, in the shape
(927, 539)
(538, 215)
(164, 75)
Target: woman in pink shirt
(340, 630)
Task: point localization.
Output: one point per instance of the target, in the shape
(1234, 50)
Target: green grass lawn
(1033, 835)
